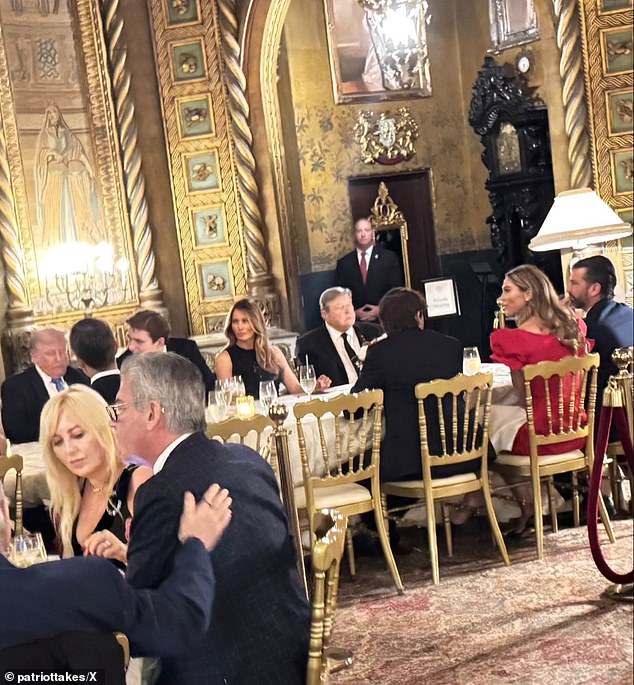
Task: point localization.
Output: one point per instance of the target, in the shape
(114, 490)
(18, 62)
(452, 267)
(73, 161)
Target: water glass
(307, 379)
(26, 550)
(238, 386)
(470, 361)
(223, 392)
(217, 405)
(268, 395)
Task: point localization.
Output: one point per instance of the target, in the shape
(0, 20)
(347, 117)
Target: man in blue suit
(260, 622)
(610, 324)
(89, 594)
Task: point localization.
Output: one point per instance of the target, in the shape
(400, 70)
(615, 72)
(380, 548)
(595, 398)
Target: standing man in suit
(260, 622)
(610, 324)
(334, 347)
(368, 271)
(93, 343)
(24, 394)
(149, 331)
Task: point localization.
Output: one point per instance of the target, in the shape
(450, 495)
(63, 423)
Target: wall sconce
(84, 276)
(397, 29)
(578, 218)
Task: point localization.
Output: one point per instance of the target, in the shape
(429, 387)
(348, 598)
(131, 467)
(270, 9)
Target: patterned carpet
(532, 622)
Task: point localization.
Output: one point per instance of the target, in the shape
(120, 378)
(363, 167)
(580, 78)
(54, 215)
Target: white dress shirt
(163, 456)
(353, 341)
(368, 255)
(48, 382)
(102, 374)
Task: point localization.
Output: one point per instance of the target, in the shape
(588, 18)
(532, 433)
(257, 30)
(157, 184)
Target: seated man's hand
(206, 520)
(323, 382)
(105, 544)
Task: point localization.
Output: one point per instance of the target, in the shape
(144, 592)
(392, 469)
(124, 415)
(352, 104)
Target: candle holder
(245, 407)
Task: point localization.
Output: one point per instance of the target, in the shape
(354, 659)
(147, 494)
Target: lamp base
(620, 593)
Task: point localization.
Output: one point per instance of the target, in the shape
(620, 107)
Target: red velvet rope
(605, 421)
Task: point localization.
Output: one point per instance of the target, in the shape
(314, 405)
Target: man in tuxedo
(334, 347)
(24, 394)
(368, 272)
(610, 324)
(260, 623)
(149, 331)
(89, 594)
(93, 343)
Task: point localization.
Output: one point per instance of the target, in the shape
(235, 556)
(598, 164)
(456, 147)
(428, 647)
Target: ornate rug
(533, 622)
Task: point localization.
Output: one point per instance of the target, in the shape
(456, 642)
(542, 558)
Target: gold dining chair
(460, 443)
(124, 643)
(240, 428)
(350, 457)
(6, 464)
(576, 377)
(327, 551)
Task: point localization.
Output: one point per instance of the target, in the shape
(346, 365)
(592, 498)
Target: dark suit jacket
(107, 386)
(189, 349)
(396, 365)
(322, 354)
(384, 272)
(23, 397)
(260, 621)
(90, 594)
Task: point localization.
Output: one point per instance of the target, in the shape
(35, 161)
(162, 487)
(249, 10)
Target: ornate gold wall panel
(60, 146)
(197, 131)
(607, 51)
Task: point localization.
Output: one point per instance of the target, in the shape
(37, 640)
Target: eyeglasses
(114, 410)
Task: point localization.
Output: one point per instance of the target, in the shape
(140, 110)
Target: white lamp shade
(578, 218)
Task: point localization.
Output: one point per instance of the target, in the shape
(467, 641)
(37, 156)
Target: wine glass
(470, 361)
(307, 379)
(216, 405)
(238, 386)
(26, 550)
(268, 395)
(223, 392)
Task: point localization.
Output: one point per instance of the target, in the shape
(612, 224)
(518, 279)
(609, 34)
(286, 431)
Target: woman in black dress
(249, 353)
(92, 490)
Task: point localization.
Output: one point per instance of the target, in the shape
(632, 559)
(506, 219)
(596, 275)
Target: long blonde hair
(545, 304)
(263, 349)
(88, 409)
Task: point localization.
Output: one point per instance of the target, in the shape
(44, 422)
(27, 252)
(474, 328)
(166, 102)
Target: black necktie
(351, 353)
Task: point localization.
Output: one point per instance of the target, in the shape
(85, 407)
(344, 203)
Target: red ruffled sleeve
(506, 350)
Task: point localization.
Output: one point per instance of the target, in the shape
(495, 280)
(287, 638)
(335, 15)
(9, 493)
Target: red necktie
(363, 265)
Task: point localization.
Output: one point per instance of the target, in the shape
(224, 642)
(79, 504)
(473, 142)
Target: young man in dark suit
(334, 347)
(260, 624)
(149, 331)
(24, 394)
(89, 595)
(368, 272)
(93, 343)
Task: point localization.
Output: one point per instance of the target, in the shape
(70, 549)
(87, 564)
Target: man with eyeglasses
(260, 625)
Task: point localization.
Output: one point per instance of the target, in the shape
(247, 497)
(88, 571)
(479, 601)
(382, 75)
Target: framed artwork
(195, 117)
(188, 61)
(606, 6)
(181, 12)
(209, 226)
(622, 171)
(202, 171)
(215, 280)
(512, 23)
(441, 296)
(620, 111)
(616, 50)
(358, 72)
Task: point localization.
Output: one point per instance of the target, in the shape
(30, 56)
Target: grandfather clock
(513, 126)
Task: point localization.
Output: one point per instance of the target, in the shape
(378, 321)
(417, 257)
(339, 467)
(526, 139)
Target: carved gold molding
(386, 138)
(611, 149)
(203, 169)
(571, 70)
(149, 292)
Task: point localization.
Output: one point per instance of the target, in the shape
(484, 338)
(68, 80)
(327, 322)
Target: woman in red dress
(547, 330)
